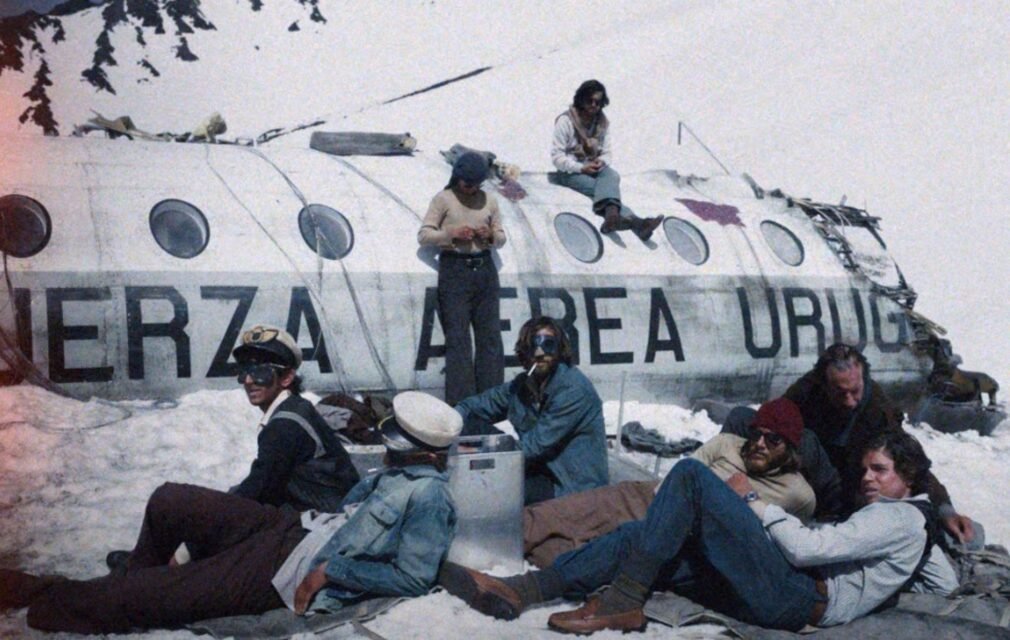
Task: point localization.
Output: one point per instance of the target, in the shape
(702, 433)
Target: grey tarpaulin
(283, 623)
(915, 617)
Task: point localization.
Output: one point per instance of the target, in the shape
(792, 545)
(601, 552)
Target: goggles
(263, 374)
(548, 344)
(772, 439)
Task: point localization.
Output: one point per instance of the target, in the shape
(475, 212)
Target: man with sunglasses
(299, 461)
(555, 410)
(721, 545)
(580, 151)
(768, 457)
(844, 408)
(387, 538)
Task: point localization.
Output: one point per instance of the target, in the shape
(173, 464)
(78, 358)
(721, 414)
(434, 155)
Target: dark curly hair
(524, 344)
(910, 461)
(586, 91)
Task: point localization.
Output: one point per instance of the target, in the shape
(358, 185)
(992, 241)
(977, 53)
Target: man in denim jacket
(555, 411)
(388, 539)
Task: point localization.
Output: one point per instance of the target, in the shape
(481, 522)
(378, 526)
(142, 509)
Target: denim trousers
(700, 539)
(468, 296)
(603, 188)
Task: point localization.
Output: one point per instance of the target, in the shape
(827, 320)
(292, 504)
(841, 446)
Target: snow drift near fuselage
(104, 308)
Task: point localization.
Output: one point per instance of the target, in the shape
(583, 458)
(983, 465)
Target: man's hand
(740, 483)
(592, 167)
(309, 587)
(462, 233)
(482, 232)
(960, 527)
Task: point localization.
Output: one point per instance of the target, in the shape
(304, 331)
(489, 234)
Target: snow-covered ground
(900, 106)
(74, 478)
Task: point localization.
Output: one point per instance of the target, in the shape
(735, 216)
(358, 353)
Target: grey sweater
(865, 559)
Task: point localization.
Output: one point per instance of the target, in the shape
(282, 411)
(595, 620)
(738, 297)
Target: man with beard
(555, 411)
(768, 456)
(721, 545)
(845, 408)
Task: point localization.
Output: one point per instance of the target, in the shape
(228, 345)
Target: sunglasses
(549, 344)
(772, 439)
(263, 374)
(259, 335)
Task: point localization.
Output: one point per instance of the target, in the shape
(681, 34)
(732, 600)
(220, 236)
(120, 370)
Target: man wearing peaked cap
(388, 538)
(299, 460)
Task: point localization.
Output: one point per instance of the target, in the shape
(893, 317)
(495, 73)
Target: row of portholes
(177, 226)
(182, 230)
(584, 242)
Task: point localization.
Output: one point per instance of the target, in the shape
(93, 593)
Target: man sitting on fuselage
(768, 456)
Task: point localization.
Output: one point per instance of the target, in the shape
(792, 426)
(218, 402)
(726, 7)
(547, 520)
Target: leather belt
(817, 613)
(471, 260)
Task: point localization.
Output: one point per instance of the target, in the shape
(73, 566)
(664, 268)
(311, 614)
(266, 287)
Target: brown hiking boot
(645, 227)
(587, 619)
(485, 593)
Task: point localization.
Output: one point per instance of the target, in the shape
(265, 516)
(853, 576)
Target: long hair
(910, 461)
(586, 91)
(524, 344)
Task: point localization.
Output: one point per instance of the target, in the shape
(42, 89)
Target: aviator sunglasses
(772, 439)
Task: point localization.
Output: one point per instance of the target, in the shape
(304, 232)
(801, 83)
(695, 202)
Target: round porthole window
(579, 237)
(686, 240)
(783, 242)
(179, 228)
(326, 231)
(25, 226)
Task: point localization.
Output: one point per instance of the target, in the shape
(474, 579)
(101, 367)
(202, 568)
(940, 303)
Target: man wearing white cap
(299, 461)
(388, 539)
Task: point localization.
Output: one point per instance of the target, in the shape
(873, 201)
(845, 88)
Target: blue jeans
(604, 188)
(699, 539)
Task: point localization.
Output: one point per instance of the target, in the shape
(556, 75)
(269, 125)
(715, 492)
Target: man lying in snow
(388, 539)
(768, 455)
(722, 546)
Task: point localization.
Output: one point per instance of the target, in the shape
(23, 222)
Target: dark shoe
(485, 593)
(586, 619)
(645, 227)
(19, 589)
(611, 220)
(116, 561)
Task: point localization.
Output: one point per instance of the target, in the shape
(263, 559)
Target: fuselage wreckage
(131, 267)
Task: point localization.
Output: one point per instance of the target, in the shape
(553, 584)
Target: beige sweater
(448, 212)
(790, 491)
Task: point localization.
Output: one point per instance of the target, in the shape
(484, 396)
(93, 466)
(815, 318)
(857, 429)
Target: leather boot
(611, 219)
(619, 607)
(19, 589)
(485, 593)
(645, 226)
